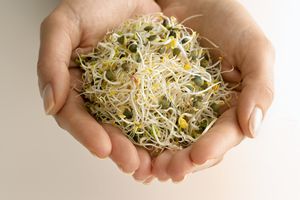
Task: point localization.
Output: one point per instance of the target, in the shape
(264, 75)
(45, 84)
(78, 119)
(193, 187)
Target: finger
(229, 72)
(147, 7)
(257, 87)
(180, 165)
(207, 164)
(74, 118)
(187, 166)
(77, 52)
(144, 170)
(232, 76)
(58, 37)
(160, 165)
(224, 135)
(163, 3)
(123, 153)
(149, 180)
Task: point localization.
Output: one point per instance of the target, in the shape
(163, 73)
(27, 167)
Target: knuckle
(47, 21)
(60, 122)
(40, 68)
(44, 23)
(270, 47)
(268, 91)
(198, 155)
(269, 50)
(138, 178)
(51, 19)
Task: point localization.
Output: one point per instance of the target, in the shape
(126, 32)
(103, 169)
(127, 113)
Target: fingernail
(148, 180)
(95, 155)
(138, 180)
(48, 99)
(255, 121)
(179, 181)
(128, 173)
(205, 165)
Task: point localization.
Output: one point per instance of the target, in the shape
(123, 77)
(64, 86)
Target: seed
(125, 66)
(197, 102)
(135, 137)
(152, 37)
(165, 23)
(198, 81)
(204, 63)
(89, 58)
(194, 55)
(202, 126)
(121, 39)
(206, 56)
(172, 33)
(184, 40)
(164, 103)
(77, 61)
(138, 58)
(148, 28)
(176, 51)
(127, 113)
(215, 107)
(110, 75)
(133, 48)
(122, 55)
(162, 50)
(194, 58)
(204, 85)
(190, 87)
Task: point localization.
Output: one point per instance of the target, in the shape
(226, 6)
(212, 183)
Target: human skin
(227, 24)
(80, 24)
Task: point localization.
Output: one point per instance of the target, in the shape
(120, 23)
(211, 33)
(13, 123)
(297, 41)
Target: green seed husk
(133, 48)
(176, 51)
(148, 28)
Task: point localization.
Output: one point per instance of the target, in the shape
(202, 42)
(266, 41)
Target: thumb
(54, 57)
(257, 87)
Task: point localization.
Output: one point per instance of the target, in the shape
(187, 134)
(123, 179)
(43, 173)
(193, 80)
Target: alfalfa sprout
(152, 78)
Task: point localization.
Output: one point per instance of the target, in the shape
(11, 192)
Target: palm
(80, 24)
(96, 17)
(93, 30)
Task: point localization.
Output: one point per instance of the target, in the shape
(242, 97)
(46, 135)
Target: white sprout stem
(162, 85)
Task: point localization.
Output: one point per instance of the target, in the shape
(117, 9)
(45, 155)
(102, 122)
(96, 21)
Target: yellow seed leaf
(122, 116)
(173, 43)
(216, 87)
(182, 122)
(149, 70)
(187, 66)
(112, 93)
(155, 86)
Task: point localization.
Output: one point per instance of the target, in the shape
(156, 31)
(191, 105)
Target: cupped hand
(245, 47)
(80, 24)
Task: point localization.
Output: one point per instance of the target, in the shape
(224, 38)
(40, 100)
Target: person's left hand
(81, 24)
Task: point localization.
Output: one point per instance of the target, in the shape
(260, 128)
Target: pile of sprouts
(151, 78)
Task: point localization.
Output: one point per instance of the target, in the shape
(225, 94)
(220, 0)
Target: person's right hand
(244, 46)
(81, 24)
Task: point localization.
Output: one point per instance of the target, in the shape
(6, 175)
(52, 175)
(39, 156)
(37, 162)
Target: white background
(40, 161)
